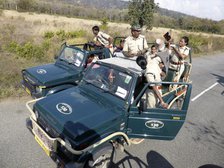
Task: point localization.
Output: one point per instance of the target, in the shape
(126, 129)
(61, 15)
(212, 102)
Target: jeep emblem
(154, 124)
(41, 71)
(64, 108)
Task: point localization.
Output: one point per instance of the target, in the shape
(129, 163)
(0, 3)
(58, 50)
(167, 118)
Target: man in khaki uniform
(177, 57)
(136, 44)
(154, 93)
(102, 39)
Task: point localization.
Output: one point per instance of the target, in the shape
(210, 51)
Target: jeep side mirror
(143, 105)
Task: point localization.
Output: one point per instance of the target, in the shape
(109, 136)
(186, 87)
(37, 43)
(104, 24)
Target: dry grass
(23, 27)
(10, 75)
(37, 24)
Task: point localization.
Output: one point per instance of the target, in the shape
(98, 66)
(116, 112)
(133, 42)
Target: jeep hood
(51, 74)
(80, 116)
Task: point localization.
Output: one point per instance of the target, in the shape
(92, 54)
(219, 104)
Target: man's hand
(131, 54)
(164, 105)
(109, 46)
(97, 43)
(141, 52)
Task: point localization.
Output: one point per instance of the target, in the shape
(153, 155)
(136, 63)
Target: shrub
(46, 45)
(12, 47)
(29, 51)
(104, 24)
(61, 34)
(75, 34)
(48, 35)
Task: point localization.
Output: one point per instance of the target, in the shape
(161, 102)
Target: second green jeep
(66, 72)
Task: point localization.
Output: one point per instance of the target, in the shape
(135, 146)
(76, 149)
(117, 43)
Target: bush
(75, 34)
(28, 50)
(48, 35)
(104, 24)
(12, 47)
(61, 34)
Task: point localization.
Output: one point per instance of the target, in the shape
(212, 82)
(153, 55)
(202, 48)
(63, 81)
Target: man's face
(182, 42)
(90, 59)
(135, 33)
(95, 32)
(153, 50)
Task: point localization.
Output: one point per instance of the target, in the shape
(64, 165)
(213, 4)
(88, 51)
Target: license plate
(27, 90)
(45, 142)
(39, 141)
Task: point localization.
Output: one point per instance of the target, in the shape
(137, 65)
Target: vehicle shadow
(220, 80)
(154, 160)
(210, 166)
(207, 133)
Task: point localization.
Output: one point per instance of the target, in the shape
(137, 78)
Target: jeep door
(159, 123)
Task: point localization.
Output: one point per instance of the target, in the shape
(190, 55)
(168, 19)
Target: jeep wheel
(103, 158)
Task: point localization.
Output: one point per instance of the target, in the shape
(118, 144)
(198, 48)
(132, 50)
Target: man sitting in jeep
(154, 93)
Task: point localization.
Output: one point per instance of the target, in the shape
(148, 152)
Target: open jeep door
(159, 123)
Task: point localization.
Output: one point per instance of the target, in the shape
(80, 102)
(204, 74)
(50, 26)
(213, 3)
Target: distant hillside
(117, 4)
(105, 4)
(172, 14)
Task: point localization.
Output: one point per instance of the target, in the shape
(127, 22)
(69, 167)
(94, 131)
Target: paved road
(199, 143)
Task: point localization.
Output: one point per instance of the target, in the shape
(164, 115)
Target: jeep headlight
(36, 114)
(38, 89)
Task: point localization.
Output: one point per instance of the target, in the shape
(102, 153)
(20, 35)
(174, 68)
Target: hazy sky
(211, 9)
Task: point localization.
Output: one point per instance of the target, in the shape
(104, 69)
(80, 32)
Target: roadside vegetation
(30, 39)
(115, 11)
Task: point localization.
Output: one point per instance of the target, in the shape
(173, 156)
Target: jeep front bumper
(49, 145)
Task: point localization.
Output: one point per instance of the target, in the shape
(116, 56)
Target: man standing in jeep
(102, 39)
(136, 44)
(178, 55)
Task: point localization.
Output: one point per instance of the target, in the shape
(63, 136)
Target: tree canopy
(141, 12)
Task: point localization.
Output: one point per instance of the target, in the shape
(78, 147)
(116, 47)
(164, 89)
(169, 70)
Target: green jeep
(66, 72)
(84, 125)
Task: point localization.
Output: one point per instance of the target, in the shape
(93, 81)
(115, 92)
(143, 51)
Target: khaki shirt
(134, 45)
(153, 72)
(183, 50)
(152, 57)
(102, 38)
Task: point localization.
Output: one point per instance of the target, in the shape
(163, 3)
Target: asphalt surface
(200, 142)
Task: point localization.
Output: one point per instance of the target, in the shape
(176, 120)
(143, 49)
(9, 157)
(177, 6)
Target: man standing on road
(136, 44)
(102, 39)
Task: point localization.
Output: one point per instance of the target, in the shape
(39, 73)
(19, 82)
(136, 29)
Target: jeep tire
(102, 158)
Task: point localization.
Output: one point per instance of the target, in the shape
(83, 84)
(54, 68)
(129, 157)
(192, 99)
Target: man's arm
(110, 39)
(180, 55)
(164, 105)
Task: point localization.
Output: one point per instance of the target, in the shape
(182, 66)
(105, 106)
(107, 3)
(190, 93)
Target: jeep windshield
(109, 79)
(72, 56)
